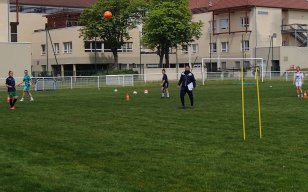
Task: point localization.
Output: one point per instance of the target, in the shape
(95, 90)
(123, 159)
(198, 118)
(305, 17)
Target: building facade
(273, 30)
(4, 25)
(14, 56)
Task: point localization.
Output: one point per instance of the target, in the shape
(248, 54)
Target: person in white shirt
(298, 81)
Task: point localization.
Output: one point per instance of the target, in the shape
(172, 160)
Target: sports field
(93, 140)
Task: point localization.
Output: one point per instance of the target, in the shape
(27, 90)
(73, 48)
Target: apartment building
(14, 56)
(273, 30)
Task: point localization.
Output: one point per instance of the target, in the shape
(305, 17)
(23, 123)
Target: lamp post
(95, 53)
(140, 49)
(189, 55)
(46, 48)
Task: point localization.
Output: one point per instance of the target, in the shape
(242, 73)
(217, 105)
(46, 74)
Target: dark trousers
(183, 92)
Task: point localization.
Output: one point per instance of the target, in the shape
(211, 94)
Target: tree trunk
(167, 65)
(161, 60)
(161, 54)
(115, 65)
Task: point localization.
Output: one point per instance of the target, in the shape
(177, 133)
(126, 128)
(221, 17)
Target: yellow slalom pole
(243, 104)
(259, 105)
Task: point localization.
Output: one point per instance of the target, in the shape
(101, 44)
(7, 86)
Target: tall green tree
(114, 32)
(168, 24)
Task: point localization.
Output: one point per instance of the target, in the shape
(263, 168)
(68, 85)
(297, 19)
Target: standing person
(10, 84)
(27, 83)
(165, 85)
(187, 83)
(299, 81)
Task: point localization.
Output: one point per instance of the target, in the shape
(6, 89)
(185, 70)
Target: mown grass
(93, 140)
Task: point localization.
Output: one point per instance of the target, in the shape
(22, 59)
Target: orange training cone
(127, 97)
(305, 95)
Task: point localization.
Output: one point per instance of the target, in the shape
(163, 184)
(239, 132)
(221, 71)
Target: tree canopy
(114, 32)
(168, 24)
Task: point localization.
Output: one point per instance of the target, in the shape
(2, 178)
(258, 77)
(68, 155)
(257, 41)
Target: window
(71, 23)
(44, 68)
(13, 32)
(247, 65)
(213, 47)
(211, 25)
(194, 48)
(245, 45)
(237, 64)
(224, 23)
(126, 47)
(245, 21)
(43, 49)
(223, 65)
(184, 49)
(224, 46)
(90, 46)
(106, 47)
(56, 47)
(68, 47)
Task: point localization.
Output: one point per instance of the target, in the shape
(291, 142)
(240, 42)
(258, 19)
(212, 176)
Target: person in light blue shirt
(27, 84)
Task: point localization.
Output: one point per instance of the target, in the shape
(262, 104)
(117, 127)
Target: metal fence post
(43, 83)
(97, 82)
(71, 82)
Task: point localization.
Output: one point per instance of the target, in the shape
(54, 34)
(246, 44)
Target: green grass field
(93, 140)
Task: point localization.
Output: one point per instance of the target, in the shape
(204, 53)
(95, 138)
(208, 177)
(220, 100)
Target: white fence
(70, 82)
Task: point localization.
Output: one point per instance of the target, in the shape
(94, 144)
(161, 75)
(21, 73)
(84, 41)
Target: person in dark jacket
(187, 83)
(10, 84)
(164, 85)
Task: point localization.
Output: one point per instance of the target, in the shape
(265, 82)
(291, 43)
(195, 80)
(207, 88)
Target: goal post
(120, 80)
(260, 64)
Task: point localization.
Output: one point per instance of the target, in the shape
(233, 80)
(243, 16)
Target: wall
(15, 57)
(268, 21)
(296, 56)
(28, 22)
(296, 16)
(4, 17)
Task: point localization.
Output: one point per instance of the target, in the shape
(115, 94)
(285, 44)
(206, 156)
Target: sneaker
(22, 99)
(31, 99)
(12, 108)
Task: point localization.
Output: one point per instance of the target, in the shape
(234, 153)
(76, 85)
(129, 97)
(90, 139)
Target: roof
(225, 4)
(195, 5)
(57, 3)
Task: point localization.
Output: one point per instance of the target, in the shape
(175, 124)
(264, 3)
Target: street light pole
(46, 48)
(95, 54)
(189, 55)
(140, 49)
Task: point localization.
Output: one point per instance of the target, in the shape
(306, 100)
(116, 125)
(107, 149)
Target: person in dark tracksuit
(10, 84)
(164, 85)
(187, 83)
